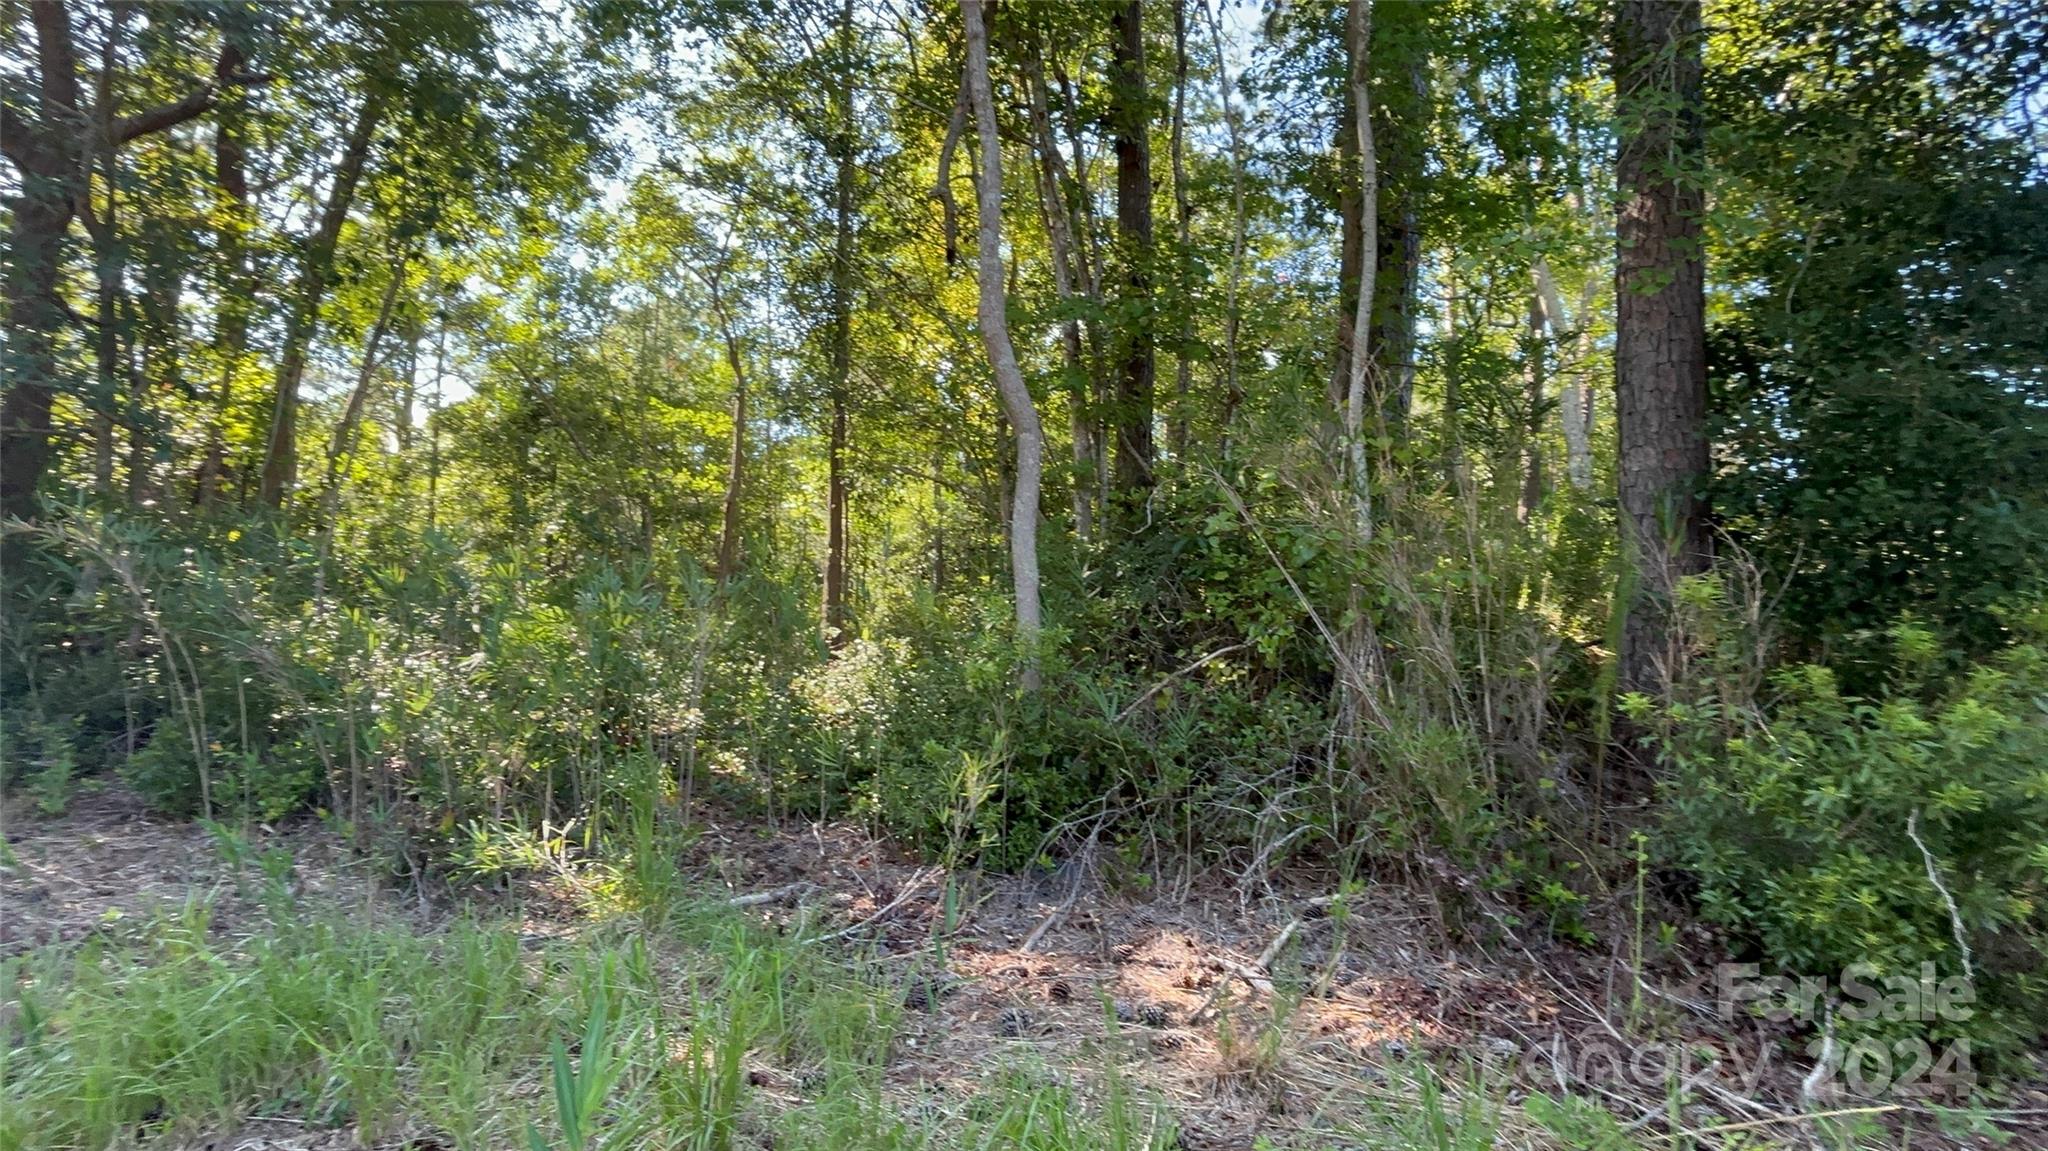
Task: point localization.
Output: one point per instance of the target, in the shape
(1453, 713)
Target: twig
(1085, 860)
(909, 889)
(1955, 914)
(775, 895)
(1272, 951)
(1254, 973)
(1162, 685)
(1752, 1124)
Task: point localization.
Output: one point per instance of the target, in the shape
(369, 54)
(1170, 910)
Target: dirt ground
(1254, 1006)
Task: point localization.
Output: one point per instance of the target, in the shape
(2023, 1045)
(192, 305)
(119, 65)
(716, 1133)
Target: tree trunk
(1660, 326)
(1233, 387)
(729, 524)
(342, 446)
(1350, 245)
(1359, 675)
(1398, 234)
(1575, 407)
(1183, 221)
(1535, 367)
(1088, 262)
(1358, 42)
(41, 215)
(1002, 357)
(1060, 237)
(231, 323)
(280, 456)
(49, 158)
(49, 162)
(1130, 118)
(835, 621)
(110, 260)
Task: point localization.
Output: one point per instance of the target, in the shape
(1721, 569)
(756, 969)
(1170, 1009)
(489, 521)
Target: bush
(1813, 824)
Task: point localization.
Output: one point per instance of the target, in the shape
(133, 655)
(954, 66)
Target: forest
(1042, 574)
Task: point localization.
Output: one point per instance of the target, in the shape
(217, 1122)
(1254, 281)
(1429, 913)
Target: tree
(1878, 390)
(51, 153)
(1130, 117)
(990, 312)
(316, 270)
(1660, 323)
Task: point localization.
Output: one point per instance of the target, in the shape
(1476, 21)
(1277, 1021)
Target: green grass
(641, 1033)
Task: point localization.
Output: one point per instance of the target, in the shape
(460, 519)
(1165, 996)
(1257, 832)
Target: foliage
(1829, 829)
(1880, 222)
(649, 319)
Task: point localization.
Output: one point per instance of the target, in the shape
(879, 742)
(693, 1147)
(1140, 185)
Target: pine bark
(1660, 324)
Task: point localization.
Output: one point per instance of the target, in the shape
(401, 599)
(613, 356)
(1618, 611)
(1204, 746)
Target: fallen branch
(775, 895)
(1084, 860)
(909, 889)
(1272, 951)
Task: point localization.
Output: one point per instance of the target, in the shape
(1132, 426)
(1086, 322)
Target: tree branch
(226, 72)
(24, 145)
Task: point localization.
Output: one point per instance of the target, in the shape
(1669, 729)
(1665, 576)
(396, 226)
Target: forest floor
(1241, 1011)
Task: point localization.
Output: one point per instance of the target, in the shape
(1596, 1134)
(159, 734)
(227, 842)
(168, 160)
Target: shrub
(1817, 826)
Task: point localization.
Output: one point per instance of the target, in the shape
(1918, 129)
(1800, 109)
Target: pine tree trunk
(1183, 220)
(1660, 324)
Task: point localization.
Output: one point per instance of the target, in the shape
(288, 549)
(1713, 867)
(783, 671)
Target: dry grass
(1320, 1042)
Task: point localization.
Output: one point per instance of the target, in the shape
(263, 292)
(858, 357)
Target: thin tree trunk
(280, 456)
(1183, 223)
(434, 421)
(1535, 366)
(835, 622)
(736, 462)
(342, 445)
(1002, 357)
(1129, 118)
(1060, 236)
(1359, 674)
(1233, 387)
(1575, 409)
(231, 325)
(1660, 324)
(1358, 38)
(159, 361)
(111, 265)
(1088, 262)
